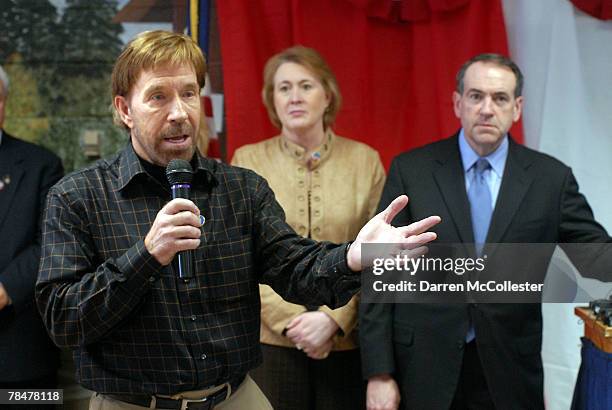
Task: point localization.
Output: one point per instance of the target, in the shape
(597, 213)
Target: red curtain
(601, 9)
(395, 62)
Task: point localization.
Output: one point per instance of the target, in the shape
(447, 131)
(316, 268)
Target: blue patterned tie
(481, 210)
(480, 204)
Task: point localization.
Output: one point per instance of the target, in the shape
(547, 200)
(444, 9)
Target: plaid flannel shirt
(137, 328)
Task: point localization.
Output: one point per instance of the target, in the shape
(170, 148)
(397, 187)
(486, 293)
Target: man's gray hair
(5, 82)
(496, 59)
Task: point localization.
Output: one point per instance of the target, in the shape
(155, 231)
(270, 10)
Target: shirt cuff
(138, 264)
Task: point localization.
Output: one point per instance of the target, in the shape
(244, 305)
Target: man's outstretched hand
(379, 230)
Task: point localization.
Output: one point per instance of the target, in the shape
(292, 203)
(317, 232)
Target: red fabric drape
(601, 9)
(407, 10)
(395, 66)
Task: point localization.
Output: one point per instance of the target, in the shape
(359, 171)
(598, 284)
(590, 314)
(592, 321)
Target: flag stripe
(198, 29)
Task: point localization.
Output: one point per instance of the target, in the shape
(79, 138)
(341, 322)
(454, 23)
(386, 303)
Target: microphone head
(179, 171)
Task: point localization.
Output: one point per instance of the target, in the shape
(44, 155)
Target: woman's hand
(313, 333)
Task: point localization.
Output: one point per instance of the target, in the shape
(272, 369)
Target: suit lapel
(11, 173)
(514, 186)
(451, 183)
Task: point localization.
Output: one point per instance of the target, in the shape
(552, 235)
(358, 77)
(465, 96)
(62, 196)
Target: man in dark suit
(28, 358)
(487, 189)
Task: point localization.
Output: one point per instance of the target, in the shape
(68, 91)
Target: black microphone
(180, 175)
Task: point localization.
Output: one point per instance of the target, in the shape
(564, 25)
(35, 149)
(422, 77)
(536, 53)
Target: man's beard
(159, 157)
(184, 128)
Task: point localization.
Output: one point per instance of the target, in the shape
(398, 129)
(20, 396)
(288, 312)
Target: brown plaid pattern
(134, 326)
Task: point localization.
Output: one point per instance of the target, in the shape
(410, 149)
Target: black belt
(205, 403)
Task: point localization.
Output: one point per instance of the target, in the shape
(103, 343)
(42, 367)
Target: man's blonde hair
(148, 50)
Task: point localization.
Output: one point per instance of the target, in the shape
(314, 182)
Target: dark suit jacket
(421, 345)
(27, 171)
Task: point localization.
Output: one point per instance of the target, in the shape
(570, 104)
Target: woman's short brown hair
(313, 62)
(148, 50)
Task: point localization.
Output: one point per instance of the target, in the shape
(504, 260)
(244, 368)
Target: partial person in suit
(28, 358)
(487, 189)
(310, 354)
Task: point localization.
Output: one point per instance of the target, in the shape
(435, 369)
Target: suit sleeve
(578, 223)
(376, 319)
(19, 277)
(583, 239)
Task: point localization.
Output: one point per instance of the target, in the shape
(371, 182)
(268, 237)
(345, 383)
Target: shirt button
(152, 278)
(203, 357)
(317, 213)
(317, 230)
(316, 173)
(300, 183)
(301, 198)
(317, 199)
(193, 318)
(302, 212)
(301, 170)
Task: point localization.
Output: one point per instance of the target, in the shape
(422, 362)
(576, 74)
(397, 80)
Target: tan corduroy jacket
(328, 196)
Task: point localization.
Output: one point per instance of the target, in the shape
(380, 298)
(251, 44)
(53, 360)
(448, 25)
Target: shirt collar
(130, 168)
(497, 158)
(298, 153)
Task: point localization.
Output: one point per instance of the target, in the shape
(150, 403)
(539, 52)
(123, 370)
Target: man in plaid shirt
(108, 286)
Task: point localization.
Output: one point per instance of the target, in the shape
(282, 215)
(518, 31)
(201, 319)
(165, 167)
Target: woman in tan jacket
(329, 187)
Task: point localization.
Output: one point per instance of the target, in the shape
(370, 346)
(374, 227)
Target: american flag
(209, 141)
(198, 28)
